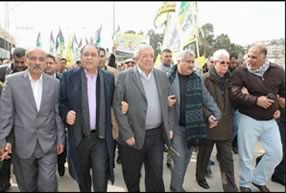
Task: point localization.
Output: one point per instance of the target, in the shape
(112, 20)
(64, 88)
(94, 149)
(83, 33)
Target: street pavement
(67, 184)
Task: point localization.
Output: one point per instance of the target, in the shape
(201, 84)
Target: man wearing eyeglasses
(217, 82)
(258, 111)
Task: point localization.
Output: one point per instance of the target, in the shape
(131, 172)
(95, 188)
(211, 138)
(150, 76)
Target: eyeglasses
(224, 63)
(130, 63)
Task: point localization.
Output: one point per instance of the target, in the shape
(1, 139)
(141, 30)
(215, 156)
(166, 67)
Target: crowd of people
(50, 114)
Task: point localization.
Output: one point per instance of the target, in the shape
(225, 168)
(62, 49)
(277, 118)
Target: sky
(244, 22)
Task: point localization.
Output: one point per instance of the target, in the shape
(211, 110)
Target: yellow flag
(69, 55)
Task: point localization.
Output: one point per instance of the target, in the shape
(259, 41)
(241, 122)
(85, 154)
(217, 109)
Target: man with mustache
(29, 105)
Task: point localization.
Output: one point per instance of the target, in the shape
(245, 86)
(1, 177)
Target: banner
(128, 42)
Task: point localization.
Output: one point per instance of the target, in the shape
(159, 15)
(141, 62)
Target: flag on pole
(38, 42)
(69, 53)
(52, 44)
(60, 43)
(97, 38)
(117, 30)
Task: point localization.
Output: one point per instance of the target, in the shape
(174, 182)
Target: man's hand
(264, 102)
(60, 148)
(131, 141)
(171, 100)
(277, 114)
(244, 91)
(71, 117)
(124, 107)
(212, 121)
(7, 152)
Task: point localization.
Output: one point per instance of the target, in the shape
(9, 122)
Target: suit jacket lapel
(136, 78)
(28, 89)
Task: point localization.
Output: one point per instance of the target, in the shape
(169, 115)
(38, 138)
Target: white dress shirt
(37, 87)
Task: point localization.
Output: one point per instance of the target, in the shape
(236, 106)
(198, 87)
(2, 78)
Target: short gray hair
(140, 49)
(219, 53)
(182, 55)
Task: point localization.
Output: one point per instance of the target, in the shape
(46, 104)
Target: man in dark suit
(145, 128)
(86, 98)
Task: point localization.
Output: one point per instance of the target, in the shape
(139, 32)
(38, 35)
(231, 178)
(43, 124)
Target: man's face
(51, 67)
(89, 58)
(130, 64)
(19, 63)
(102, 58)
(255, 58)
(166, 58)
(233, 63)
(187, 65)
(36, 61)
(146, 59)
(221, 65)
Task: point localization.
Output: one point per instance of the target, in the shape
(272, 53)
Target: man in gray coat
(145, 128)
(29, 105)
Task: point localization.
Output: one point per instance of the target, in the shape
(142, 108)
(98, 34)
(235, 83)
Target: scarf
(260, 71)
(195, 124)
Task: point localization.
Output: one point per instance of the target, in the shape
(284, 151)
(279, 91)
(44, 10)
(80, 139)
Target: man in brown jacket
(258, 110)
(217, 82)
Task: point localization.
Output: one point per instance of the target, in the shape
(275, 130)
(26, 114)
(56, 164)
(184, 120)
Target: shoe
(278, 180)
(235, 150)
(61, 170)
(208, 172)
(5, 188)
(211, 163)
(245, 189)
(204, 184)
(169, 165)
(118, 160)
(261, 188)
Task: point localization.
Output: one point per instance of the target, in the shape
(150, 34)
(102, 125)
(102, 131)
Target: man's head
(144, 58)
(102, 57)
(129, 63)
(256, 56)
(186, 62)
(221, 61)
(51, 67)
(36, 60)
(234, 63)
(18, 59)
(63, 64)
(1, 61)
(210, 62)
(89, 58)
(166, 57)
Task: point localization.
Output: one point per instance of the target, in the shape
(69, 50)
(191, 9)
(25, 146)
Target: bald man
(29, 104)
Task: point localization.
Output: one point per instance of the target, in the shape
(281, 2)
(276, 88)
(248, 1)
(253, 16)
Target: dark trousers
(92, 152)
(5, 173)
(151, 155)
(225, 159)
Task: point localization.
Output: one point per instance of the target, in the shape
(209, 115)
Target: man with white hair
(217, 81)
(190, 96)
(145, 128)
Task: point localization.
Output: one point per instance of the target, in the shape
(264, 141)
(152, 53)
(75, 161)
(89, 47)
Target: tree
(206, 39)
(156, 41)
